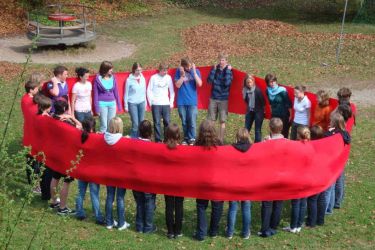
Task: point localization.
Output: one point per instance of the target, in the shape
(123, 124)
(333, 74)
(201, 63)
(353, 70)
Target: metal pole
(338, 49)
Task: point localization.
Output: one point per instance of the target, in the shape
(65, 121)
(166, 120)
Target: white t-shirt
(83, 99)
(301, 109)
(157, 90)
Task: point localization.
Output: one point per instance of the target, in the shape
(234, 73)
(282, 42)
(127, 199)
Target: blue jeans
(144, 219)
(298, 212)
(258, 117)
(106, 114)
(81, 116)
(94, 194)
(271, 216)
(188, 115)
(158, 112)
(339, 190)
(216, 212)
(111, 193)
(330, 199)
(246, 217)
(316, 209)
(137, 114)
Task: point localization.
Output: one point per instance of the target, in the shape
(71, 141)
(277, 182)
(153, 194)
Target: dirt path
(15, 49)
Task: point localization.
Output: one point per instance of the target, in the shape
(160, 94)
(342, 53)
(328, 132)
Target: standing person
(135, 97)
(187, 78)
(174, 205)
(57, 88)
(322, 110)
(81, 96)
(281, 105)
(316, 204)
(220, 77)
(106, 97)
(88, 126)
(145, 202)
(299, 205)
(301, 106)
(208, 139)
(242, 144)
(254, 99)
(159, 86)
(111, 137)
(271, 210)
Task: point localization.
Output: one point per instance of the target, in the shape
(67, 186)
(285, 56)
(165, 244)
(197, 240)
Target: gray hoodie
(112, 139)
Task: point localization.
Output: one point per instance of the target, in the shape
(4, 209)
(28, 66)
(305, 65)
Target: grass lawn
(296, 59)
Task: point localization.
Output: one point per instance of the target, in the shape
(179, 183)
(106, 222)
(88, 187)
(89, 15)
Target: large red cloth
(271, 170)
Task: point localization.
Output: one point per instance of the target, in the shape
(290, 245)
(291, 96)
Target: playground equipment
(59, 24)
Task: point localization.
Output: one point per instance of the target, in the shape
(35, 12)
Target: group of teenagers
(53, 100)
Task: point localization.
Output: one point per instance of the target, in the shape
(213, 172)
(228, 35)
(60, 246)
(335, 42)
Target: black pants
(174, 213)
(45, 183)
(271, 215)
(32, 169)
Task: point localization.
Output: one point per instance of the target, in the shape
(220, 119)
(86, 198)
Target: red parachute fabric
(271, 170)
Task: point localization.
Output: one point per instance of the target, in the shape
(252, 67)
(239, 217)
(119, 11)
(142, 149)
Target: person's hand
(193, 66)
(54, 80)
(230, 67)
(182, 72)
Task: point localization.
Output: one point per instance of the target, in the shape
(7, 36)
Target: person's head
(60, 107)
(31, 87)
(345, 110)
(136, 69)
(207, 135)
(243, 136)
(172, 135)
(145, 129)
(61, 72)
(299, 91)
(344, 95)
(316, 132)
(276, 125)
(37, 97)
(249, 81)
(337, 121)
(106, 69)
(115, 125)
(44, 104)
(163, 69)
(223, 59)
(322, 98)
(303, 133)
(83, 74)
(270, 80)
(88, 126)
(37, 77)
(186, 63)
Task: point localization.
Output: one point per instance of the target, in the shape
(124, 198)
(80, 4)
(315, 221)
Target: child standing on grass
(242, 144)
(81, 96)
(301, 106)
(174, 205)
(271, 210)
(316, 204)
(322, 110)
(299, 205)
(111, 137)
(208, 139)
(88, 126)
(57, 88)
(144, 222)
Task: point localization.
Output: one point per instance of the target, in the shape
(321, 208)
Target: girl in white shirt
(301, 106)
(81, 95)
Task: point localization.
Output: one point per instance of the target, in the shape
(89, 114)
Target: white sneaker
(291, 230)
(125, 226)
(113, 225)
(298, 229)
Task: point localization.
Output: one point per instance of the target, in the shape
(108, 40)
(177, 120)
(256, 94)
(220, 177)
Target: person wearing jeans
(145, 212)
(298, 214)
(135, 98)
(216, 212)
(316, 208)
(160, 94)
(106, 98)
(254, 99)
(339, 190)
(120, 196)
(271, 216)
(94, 195)
(246, 218)
(187, 78)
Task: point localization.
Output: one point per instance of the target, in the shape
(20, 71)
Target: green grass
(296, 61)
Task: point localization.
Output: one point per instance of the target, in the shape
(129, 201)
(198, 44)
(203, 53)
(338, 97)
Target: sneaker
(184, 143)
(54, 205)
(125, 226)
(178, 235)
(37, 190)
(113, 225)
(298, 229)
(65, 211)
(246, 237)
(229, 237)
(291, 230)
(170, 236)
(191, 142)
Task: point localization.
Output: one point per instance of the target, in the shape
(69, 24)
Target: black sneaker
(54, 205)
(191, 142)
(65, 211)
